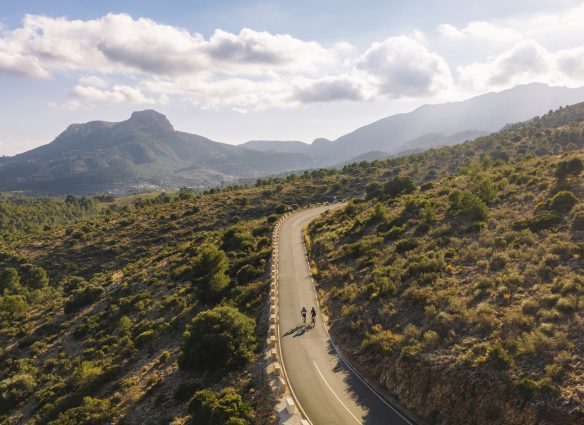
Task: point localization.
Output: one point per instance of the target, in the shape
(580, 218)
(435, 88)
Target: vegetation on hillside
(113, 311)
(121, 310)
(477, 272)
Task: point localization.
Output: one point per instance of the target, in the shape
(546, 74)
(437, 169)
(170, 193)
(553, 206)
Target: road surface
(328, 392)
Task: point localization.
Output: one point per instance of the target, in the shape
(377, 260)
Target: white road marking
(335, 394)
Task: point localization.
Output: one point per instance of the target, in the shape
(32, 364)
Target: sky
(239, 70)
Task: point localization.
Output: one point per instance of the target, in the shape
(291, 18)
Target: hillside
(281, 146)
(453, 271)
(457, 281)
(95, 304)
(143, 152)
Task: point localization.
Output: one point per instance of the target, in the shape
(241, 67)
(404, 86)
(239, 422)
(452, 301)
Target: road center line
(335, 394)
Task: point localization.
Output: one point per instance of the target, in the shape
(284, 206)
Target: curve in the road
(328, 390)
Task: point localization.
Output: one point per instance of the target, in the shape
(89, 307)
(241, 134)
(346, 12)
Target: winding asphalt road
(328, 391)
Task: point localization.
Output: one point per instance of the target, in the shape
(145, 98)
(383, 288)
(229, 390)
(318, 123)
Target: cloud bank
(121, 59)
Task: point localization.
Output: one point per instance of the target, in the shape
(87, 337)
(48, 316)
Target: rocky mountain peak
(150, 120)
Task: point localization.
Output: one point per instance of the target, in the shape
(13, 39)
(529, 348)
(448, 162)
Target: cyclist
(313, 314)
(303, 314)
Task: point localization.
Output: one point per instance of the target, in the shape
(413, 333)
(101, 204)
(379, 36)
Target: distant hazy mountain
(434, 140)
(479, 115)
(144, 151)
(281, 146)
(432, 126)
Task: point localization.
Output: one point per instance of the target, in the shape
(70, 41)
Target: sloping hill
(444, 124)
(282, 146)
(457, 281)
(467, 307)
(144, 150)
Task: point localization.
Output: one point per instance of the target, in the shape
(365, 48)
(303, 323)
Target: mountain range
(434, 125)
(146, 152)
(143, 152)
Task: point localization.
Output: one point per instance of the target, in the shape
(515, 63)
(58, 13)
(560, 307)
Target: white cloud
(328, 89)
(118, 58)
(250, 70)
(402, 67)
(118, 43)
(93, 81)
(479, 30)
(450, 32)
(544, 47)
(17, 64)
(265, 51)
(526, 62)
(237, 93)
(553, 29)
(117, 94)
(571, 63)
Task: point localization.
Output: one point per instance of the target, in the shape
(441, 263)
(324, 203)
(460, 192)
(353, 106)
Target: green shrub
(567, 305)
(86, 374)
(393, 233)
(411, 351)
(555, 371)
(563, 202)
(14, 390)
(125, 325)
(82, 297)
(530, 307)
(382, 286)
(383, 342)
(72, 283)
(34, 277)
(406, 245)
(165, 356)
(426, 186)
(238, 238)
(281, 209)
(216, 338)
(93, 411)
(387, 287)
(538, 222)
(468, 206)
(9, 280)
(423, 265)
(486, 190)
(208, 272)
(496, 357)
(248, 273)
(572, 166)
(430, 339)
(578, 222)
(144, 337)
(225, 408)
(373, 190)
(498, 262)
(483, 284)
(15, 306)
(380, 214)
(526, 387)
(399, 185)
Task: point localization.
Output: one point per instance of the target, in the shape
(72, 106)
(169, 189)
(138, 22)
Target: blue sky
(240, 70)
